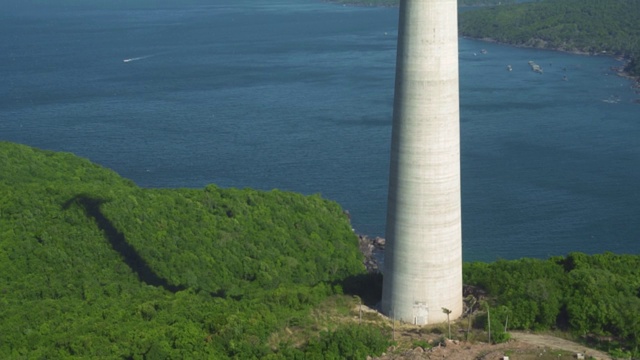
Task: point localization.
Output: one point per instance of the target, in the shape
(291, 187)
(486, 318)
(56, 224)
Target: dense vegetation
(596, 297)
(95, 267)
(590, 26)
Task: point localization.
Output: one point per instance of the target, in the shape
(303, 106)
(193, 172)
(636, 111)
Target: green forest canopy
(93, 266)
(592, 296)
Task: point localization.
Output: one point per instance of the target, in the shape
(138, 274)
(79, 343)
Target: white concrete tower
(423, 256)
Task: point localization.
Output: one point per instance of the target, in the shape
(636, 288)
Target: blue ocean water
(297, 95)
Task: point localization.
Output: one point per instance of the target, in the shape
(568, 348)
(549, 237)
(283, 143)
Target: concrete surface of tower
(423, 257)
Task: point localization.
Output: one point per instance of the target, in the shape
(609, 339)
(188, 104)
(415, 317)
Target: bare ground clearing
(524, 346)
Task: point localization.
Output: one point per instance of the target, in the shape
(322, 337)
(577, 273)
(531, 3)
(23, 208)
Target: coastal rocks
(370, 247)
(537, 43)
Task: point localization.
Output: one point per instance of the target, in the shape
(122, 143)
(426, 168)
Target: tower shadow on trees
(368, 287)
(130, 256)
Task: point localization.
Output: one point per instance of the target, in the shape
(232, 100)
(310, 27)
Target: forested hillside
(93, 266)
(595, 297)
(590, 26)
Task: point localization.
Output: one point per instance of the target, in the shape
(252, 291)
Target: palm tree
(447, 311)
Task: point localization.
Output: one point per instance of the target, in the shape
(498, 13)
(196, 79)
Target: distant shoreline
(365, 3)
(391, 3)
(620, 71)
(362, 3)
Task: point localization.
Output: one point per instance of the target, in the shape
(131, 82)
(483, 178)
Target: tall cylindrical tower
(423, 257)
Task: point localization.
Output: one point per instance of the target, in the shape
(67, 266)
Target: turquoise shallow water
(297, 95)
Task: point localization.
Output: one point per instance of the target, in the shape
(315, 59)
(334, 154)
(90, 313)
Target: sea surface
(297, 95)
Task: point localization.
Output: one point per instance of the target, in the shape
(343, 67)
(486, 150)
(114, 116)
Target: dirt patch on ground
(558, 343)
(415, 342)
(523, 346)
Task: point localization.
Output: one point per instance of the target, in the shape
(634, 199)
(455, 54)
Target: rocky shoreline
(370, 247)
(532, 43)
(619, 70)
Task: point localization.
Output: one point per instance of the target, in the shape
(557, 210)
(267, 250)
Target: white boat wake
(137, 58)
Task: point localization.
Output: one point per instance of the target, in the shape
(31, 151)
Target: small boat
(535, 67)
(509, 68)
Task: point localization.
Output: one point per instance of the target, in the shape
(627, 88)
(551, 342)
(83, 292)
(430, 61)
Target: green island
(581, 26)
(93, 266)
